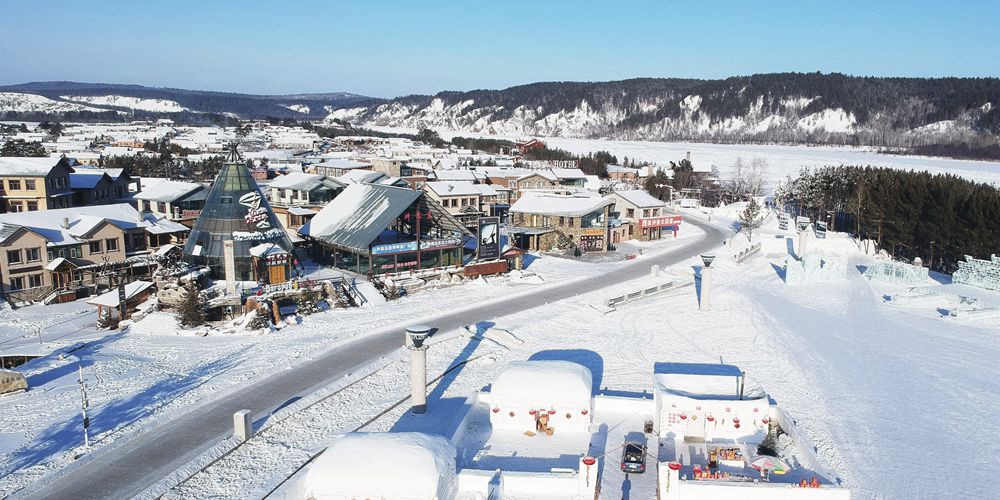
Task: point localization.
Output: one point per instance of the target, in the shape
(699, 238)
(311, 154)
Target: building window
(74, 252)
(630, 213)
(562, 221)
(281, 193)
(13, 256)
(161, 207)
(60, 182)
(16, 206)
(32, 206)
(17, 283)
(29, 185)
(95, 246)
(570, 221)
(34, 281)
(33, 254)
(111, 244)
(14, 185)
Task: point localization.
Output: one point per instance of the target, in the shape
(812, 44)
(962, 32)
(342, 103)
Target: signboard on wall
(411, 246)
(489, 238)
(670, 220)
(592, 232)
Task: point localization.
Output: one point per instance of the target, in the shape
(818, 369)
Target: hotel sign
(670, 220)
(411, 246)
(593, 232)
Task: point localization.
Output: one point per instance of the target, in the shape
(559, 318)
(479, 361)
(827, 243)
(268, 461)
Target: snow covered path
(140, 461)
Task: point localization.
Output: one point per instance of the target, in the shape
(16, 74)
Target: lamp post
(415, 337)
(706, 282)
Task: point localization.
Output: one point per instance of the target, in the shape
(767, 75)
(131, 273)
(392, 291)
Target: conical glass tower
(235, 210)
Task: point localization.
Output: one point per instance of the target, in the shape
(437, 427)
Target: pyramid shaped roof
(235, 210)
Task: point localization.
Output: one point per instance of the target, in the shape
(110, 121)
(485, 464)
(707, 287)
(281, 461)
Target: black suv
(634, 457)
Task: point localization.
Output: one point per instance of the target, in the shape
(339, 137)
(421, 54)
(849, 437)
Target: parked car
(634, 457)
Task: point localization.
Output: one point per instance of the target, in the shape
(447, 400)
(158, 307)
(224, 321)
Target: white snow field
(155, 105)
(149, 373)
(898, 400)
(782, 161)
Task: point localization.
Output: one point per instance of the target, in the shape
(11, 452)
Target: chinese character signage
(489, 238)
(411, 246)
(670, 220)
(256, 216)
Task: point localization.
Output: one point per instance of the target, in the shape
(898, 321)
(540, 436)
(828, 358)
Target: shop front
(593, 240)
(397, 257)
(653, 228)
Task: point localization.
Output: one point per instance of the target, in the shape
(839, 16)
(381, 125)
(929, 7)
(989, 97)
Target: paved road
(135, 465)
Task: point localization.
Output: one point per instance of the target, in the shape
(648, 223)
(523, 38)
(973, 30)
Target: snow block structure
(403, 465)
(235, 210)
(12, 381)
(897, 272)
(812, 268)
(526, 390)
(980, 273)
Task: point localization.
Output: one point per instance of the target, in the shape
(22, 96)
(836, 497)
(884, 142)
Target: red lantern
(765, 420)
(710, 418)
(736, 420)
(552, 412)
(588, 461)
(584, 412)
(683, 416)
(532, 412)
(496, 410)
(737, 425)
(674, 465)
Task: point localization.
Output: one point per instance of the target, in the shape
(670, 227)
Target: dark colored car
(634, 457)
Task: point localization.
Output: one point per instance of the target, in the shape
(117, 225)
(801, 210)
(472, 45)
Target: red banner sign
(669, 220)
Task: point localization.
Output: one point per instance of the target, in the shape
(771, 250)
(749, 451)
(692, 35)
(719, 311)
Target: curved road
(141, 461)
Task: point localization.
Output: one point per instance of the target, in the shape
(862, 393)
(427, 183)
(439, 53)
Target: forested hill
(784, 107)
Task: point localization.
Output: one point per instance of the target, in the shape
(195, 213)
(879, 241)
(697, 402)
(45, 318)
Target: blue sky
(386, 49)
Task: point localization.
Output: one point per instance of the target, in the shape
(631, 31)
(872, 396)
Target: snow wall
(403, 465)
(561, 388)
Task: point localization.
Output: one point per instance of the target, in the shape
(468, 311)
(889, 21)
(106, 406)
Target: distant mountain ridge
(298, 106)
(783, 107)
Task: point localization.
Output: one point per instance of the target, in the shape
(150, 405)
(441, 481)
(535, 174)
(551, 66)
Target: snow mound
(538, 384)
(118, 101)
(402, 465)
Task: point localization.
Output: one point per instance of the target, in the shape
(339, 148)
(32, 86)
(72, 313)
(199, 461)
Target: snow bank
(403, 465)
(559, 386)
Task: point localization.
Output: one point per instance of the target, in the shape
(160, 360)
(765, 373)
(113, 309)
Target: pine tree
(751, 218)
(191, 311)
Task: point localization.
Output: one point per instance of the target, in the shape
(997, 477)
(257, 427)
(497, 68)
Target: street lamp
(705, 303)
(416, 335)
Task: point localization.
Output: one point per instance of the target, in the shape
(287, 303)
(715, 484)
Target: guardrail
(746, 252)
(639, 294)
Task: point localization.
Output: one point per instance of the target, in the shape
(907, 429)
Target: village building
(466, 201)
(548, 179)
(644, 216)
(623, 174)
(297, 196)
(109, 303)
(175, 200)
(98, 186)
(544, 221)
(236, 218)
(379, 229)
(400, 167)
(30, 184)
(66, 250)
(337, 167)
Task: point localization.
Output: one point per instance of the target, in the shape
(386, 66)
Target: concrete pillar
(802, 243)
(242, 425)
(415, 337)
(706, 289)
(670, 481)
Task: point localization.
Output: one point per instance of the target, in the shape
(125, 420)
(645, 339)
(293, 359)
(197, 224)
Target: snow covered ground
(782, 161)
(149, 373)
(897, 399)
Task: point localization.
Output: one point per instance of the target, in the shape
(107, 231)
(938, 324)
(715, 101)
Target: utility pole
(84, 403)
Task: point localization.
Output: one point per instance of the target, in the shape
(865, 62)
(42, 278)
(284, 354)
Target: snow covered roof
(167, 190)
(80, 221)
(25, 166)
(297, 210)
(573, 205)
(543, 384)
(640, 198)
(110, 298)
(704, 381)
(455, 175)
(460, 188)
(265, 249)
(86, 179)
(360, 176)
(343, 164)
(302, 181)
(397, 465)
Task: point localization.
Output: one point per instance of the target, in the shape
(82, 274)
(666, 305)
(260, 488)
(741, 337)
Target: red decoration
(583, 412)
(552, 412)
(710, 418)
(674, 465)
(737, 425)
(532, 412)
(406, 216)
(496, 410)
(589, 461)
(765, 420)
(736, 420)
(683, 416)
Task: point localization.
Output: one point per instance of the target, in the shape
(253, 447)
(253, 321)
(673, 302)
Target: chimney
(65, 224)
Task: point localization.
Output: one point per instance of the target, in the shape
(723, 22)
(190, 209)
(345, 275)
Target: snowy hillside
(298, 108)
(117, 101)
(818, 109)
(32, 103)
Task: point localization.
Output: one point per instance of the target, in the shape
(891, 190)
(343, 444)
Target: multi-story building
(548, 179)
(67, 249)
(544, 221)
(30, 184)
(645, 216)
(175, 200)
(337, 167)
(297, 196)
(464, 200)
(100, 186)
